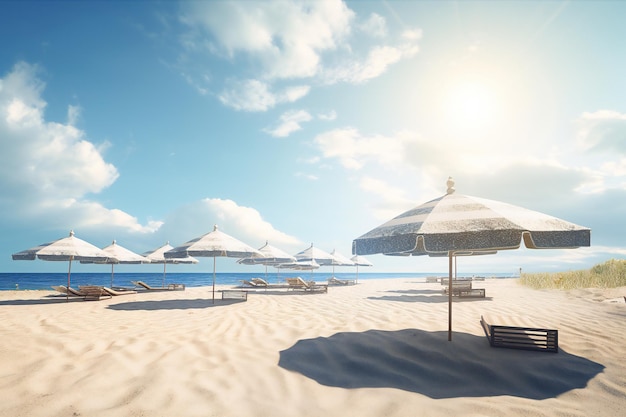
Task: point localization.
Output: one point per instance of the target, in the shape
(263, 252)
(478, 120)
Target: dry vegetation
(610, 274)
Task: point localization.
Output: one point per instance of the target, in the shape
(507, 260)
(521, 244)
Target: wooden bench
(432, 279)
(472, 293)
(458, 286)
(528, 338)
(235, 295)
(93, 292)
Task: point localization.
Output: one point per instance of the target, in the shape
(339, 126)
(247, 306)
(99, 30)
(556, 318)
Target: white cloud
(354, 150)
(375, 25)
(330, 116)
(243, 223)
(289, 122)
(390, 200)
(286, 38)
(285, 41)
(255, 95)
(603, 131)
(47, 168)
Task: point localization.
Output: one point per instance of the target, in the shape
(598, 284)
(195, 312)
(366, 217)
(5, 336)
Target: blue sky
(307, 122)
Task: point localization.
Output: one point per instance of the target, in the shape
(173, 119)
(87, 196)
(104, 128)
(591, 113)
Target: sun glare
(469, 105)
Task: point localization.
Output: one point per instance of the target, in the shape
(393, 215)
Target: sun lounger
(260, 282)
(528, 338)
(68, 291)
(93, 292)
(298, 283)
(170, 287)
(111, 291)
(336, 281)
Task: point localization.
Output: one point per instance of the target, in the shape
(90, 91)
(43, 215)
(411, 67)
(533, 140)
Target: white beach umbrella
(119, 255)
(156, 257)
(268, 256)
(454, 225)
(213, 244)
(315, 254)
(67, 249)
(340, 260)
(360, 261)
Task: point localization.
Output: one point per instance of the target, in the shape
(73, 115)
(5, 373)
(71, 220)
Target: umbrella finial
(114, 242)
(71, 233)
(214, 227)
(450, 184)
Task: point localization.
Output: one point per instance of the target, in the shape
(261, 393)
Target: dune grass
(609, 274)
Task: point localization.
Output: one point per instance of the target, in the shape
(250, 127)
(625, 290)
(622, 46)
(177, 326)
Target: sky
(307, 122)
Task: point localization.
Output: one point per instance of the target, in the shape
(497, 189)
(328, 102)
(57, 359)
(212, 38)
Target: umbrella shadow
(150, 305)
(416, 291)
(40, 301)
(412, 298)
(426, 363)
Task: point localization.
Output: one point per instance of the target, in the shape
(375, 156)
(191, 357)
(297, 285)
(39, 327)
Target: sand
(378, 348)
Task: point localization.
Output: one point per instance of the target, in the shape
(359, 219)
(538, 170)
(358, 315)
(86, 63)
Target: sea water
(43, 281)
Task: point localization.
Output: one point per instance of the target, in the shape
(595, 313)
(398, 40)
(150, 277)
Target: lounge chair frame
(527, 338)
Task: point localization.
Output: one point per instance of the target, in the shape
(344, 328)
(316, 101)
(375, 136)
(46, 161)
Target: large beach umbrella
(213, 244)
(340, 260)
(268, 256)
(119, 255)
(459, 225)
(156, 257)
(67, 249)
(315, 255)
(360, 261)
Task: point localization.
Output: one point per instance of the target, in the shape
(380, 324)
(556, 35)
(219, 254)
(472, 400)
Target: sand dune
(377, 348)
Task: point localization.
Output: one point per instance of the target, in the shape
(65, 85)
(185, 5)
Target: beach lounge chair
(170, 287)
(527, 338)
(93, 292)
(260, 282)
(113, 292)
(68, 291)
(298, 283)
(251, 283)
(337, 281)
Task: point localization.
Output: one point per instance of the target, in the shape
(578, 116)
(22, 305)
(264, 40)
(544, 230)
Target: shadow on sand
(426, 363)
(199, 303)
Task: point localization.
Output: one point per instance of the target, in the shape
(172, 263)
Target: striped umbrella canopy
(67, 249)
(456, 224)
(213, 244)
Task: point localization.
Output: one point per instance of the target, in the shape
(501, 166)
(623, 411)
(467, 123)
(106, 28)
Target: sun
(469, 105)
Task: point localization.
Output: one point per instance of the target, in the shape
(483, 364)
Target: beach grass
(610, 274)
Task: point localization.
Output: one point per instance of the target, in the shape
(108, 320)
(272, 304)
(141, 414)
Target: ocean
(43, 281)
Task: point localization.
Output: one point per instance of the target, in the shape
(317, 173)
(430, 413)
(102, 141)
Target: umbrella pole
(214, 280)
(112, 274)
(163, 281)
(69, 272)
(450, 255)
